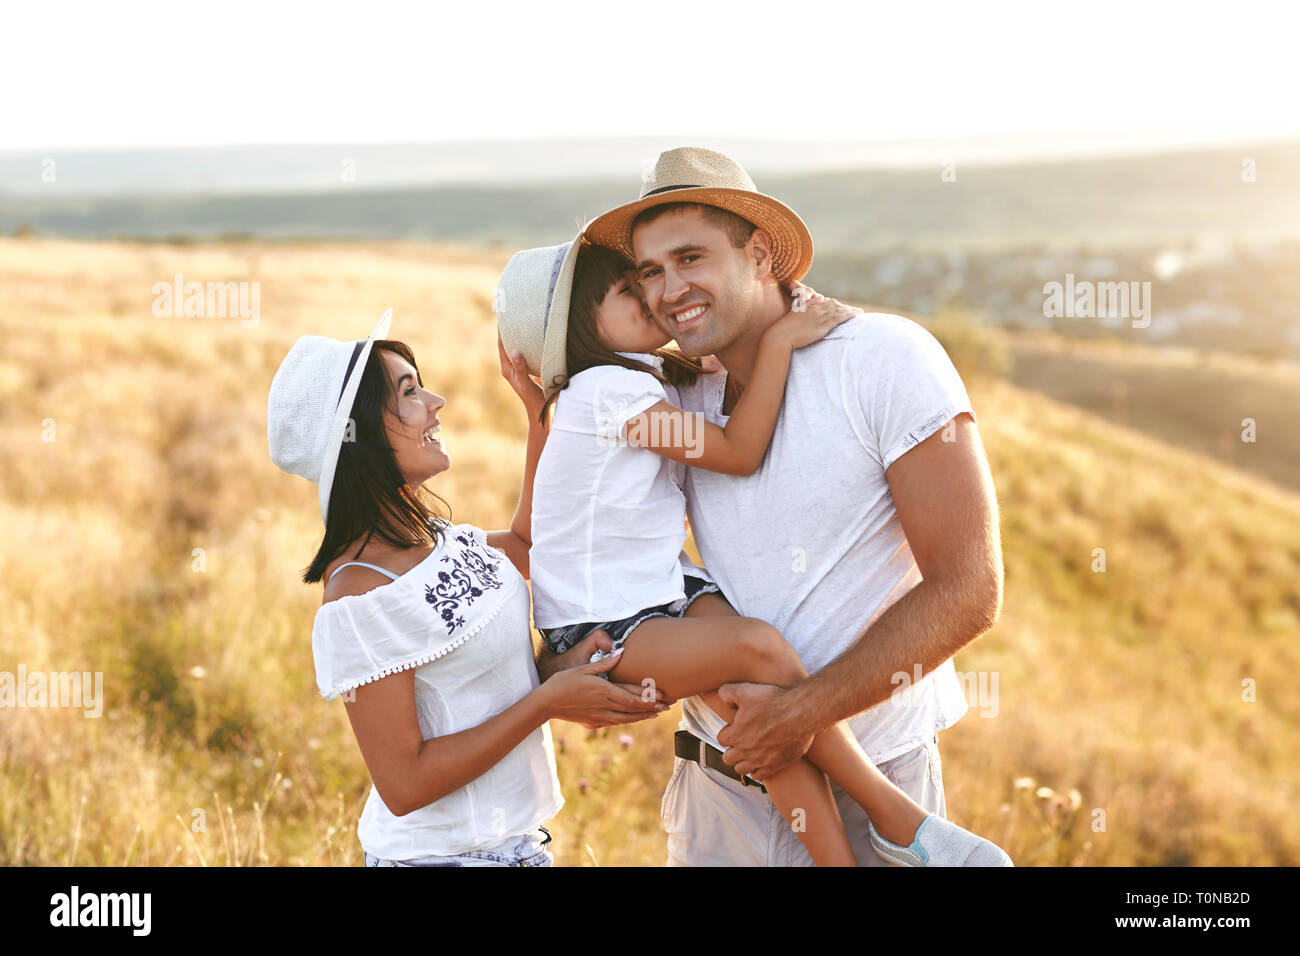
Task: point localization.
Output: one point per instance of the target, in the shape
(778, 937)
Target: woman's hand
(515, 371)
(549, 663)
(580, 696)
(811, 317)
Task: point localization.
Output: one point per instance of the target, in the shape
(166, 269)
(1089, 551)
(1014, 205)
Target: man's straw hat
(695, 174)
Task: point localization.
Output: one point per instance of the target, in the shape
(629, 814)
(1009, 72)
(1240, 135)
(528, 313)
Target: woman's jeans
(527, 850)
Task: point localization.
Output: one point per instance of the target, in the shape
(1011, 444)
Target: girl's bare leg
(768, 658)
(685, 657)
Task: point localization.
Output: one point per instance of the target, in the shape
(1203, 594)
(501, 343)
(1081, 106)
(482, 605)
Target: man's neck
(740, 357)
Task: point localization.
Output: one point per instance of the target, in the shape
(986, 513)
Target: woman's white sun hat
(310, 405)
(532, 307)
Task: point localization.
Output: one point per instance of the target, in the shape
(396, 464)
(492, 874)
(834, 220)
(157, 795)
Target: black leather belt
(689, 747)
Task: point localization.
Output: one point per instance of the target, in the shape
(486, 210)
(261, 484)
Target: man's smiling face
(699, 288)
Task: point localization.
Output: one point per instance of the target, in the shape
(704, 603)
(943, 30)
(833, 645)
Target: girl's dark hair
(597, 268)
(370, 497)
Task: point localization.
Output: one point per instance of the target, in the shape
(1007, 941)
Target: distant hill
(1103, 202)
(1238, 411)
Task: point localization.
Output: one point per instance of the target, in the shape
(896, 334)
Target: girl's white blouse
(460, 619)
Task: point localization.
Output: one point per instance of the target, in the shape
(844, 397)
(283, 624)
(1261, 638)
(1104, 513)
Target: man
(869, 536)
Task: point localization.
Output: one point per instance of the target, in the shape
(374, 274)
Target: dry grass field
(1147, 714)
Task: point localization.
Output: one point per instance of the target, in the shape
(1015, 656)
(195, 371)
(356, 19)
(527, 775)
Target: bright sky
(174, 74)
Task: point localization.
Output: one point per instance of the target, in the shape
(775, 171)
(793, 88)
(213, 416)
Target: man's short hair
(738, 229)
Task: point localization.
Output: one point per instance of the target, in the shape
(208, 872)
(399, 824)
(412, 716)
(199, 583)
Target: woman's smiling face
(622, 322)
(419, 453)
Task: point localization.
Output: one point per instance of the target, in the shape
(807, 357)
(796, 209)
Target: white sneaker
(940, 842)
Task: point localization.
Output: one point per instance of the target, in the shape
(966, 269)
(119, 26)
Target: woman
(423, 627)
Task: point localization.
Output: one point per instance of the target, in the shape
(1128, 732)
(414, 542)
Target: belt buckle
(703, 758)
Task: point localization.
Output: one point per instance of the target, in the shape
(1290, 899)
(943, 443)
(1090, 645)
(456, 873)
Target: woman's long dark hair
(597, 268)
(370, 498)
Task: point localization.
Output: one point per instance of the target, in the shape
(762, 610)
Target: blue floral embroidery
(470, 575)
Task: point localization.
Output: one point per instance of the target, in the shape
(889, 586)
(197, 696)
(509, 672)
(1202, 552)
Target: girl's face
(419, 453)
(623, 323)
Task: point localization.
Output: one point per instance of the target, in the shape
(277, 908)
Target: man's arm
(943, 492)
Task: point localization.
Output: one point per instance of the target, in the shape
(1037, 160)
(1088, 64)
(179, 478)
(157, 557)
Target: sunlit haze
(1007, 79)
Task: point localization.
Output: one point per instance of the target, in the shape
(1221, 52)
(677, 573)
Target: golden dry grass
(1119, 692)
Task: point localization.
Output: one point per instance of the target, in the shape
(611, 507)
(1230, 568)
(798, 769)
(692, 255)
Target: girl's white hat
(532, 307)
(310, 405)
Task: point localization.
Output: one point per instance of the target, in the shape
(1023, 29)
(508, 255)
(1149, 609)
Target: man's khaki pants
(713, 820)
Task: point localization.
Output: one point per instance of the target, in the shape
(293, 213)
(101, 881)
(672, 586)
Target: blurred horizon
(234, 169)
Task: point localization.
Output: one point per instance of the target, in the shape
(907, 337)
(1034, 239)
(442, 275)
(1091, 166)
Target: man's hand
(635, 698)
(768, 732)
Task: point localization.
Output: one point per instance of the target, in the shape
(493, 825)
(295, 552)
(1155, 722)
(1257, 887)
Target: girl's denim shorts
(527, 850)
(560, 639)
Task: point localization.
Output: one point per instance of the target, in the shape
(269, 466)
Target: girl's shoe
(940, 842)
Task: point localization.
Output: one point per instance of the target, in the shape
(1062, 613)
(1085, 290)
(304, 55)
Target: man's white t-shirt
(609, 519)
(811, 542)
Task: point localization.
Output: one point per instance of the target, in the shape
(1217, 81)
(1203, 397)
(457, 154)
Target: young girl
(608, 525)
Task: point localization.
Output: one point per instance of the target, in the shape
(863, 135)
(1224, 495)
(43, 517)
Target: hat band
(550, 290)
(664, 189)
(356, 350)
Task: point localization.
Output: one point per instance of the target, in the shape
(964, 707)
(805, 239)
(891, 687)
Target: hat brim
(554, 367)
(344, 412)
(792, 245)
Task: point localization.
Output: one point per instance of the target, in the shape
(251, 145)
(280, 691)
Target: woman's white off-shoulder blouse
(460, 619)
